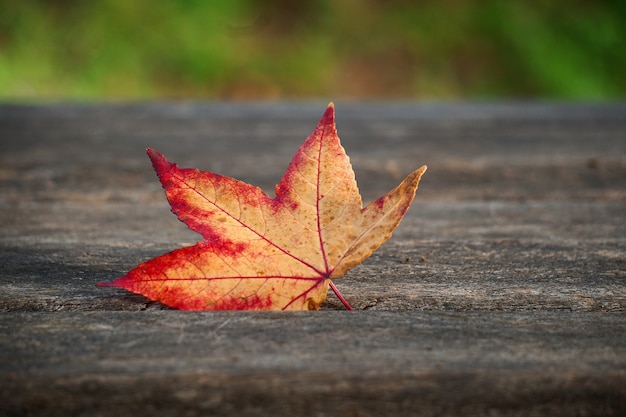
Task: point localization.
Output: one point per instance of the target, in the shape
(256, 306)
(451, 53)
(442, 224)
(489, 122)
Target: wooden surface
(503, 292)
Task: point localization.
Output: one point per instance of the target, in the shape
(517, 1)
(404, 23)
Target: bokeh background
(331, 49)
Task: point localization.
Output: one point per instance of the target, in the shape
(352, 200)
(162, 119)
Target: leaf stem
(340, 296)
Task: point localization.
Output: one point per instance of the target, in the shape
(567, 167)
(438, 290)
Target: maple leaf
(267, 253)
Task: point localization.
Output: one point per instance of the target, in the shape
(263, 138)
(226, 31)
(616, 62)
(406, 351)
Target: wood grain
(503, 292)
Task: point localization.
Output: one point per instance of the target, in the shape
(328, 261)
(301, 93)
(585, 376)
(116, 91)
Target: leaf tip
(330, 111)
(328, 119)
(415, 177)
(159, 162)
(152, 154)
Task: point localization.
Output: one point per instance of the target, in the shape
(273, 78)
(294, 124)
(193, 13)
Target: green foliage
(119, 49)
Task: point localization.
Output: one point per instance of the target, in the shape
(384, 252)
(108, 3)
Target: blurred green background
(350, 49)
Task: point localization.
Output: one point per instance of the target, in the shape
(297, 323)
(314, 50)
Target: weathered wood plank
(503, 291)
(327, 363)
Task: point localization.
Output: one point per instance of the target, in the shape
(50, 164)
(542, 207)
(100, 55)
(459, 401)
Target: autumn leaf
(263, 253)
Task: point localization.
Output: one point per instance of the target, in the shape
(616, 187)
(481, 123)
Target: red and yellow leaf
(263, 253)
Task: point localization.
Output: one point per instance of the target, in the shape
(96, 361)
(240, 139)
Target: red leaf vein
(261, 236)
